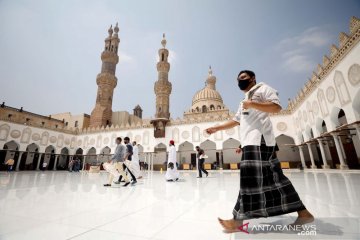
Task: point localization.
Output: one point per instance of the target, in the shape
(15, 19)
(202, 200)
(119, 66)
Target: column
(84, 162)
(311, 156)
(38, 163)
(325, 165)
(358, 131)
(342, 148)
(18, 162)
(152, 161)
(221, 160)
(343, 164)
(302, 158)
(56, 161)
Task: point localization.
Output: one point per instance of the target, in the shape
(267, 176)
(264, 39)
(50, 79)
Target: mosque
(320, 127)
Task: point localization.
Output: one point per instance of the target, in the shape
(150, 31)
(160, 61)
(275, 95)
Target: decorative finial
(210, 71)
(163, 41)
(110, 31)
(116, 28)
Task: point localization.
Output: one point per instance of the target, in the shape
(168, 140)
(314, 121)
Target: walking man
(135, 161)
(264, 190)
(201, 159)
(10, 163)
(127, 163)
(115, 166)
(172, 173)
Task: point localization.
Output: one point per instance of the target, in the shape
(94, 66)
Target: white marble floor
(63, 205)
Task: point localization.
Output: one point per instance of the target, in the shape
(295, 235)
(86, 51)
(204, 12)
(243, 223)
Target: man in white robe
(135, 164)
(172, 173)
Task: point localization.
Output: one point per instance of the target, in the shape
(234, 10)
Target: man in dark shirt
(201, 160)
(128, 155)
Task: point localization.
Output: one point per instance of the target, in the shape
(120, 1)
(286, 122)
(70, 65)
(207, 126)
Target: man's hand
(247, 104)
(238, 150)
(211, 130)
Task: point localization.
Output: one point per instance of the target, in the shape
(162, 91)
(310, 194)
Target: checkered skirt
(264, 189)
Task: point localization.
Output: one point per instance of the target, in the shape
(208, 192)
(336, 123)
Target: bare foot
(231, 225)
(304, 217)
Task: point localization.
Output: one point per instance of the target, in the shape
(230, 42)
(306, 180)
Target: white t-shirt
(254, 123)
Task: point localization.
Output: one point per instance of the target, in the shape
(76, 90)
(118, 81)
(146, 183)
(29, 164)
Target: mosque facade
(320, 128)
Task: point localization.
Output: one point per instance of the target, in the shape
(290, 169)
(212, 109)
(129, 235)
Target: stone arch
(105, 154)
(160, 147)
(63, 159)
(229, 155)
(49, 157)
(9, 150)
(286, 152)
(91, 156)
(30, 158)
(160, 156)
(12, 145)
(320, 126)
(4, 131)
(212, 107)
(210, 150)
(204, 108)
(336, 119)
(186, 152)
(196, 134)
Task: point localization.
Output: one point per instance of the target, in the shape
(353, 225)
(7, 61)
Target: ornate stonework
(106, 81)
(106, 140)
(185, 134)
(346, 43)
(230, 131)
(15, 134)
(162, 90)
(281, 126)
(53, 139)
(330, 94)
(354, 74)
(207, 103)
(35, 137)
(315, 107)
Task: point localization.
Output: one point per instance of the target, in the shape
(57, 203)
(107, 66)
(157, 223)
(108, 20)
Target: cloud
(299, 63)
(297, 50)
(125, 58)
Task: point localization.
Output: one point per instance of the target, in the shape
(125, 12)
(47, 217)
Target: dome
(207, 94)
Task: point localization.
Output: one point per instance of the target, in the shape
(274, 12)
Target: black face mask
(244, 84)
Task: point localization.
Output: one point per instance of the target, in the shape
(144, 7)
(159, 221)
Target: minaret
(106, 81)
(162, 90)
(211, 80)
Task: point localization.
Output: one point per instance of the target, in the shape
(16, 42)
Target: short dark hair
(134, 142)
(197, 147)
(248, 72)
(119, 139)
(127, 138)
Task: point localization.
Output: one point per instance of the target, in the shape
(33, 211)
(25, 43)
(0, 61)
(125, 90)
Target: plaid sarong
(264, 189)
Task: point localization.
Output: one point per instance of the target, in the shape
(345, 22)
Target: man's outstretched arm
(226, 125)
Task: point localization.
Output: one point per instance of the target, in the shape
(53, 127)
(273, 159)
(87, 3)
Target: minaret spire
(162, 90)
(106, 81)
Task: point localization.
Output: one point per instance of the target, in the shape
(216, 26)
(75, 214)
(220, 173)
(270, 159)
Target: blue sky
(50, 50)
